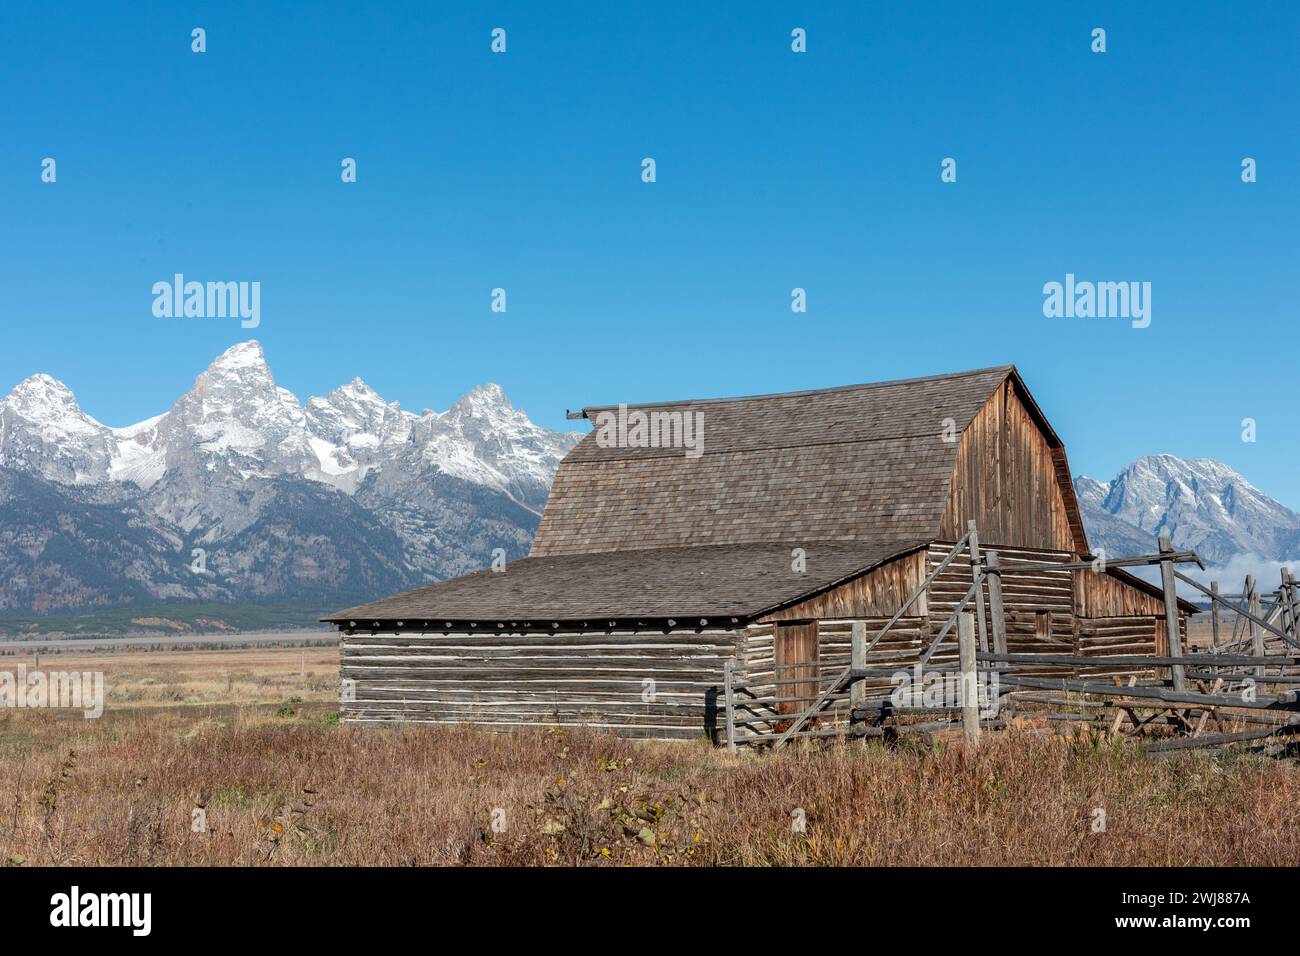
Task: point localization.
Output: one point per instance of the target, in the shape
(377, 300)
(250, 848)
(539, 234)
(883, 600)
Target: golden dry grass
(298, 789)
(196, 679)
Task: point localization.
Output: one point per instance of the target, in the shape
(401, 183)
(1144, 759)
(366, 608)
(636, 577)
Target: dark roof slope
(863, 462)
(719, 582)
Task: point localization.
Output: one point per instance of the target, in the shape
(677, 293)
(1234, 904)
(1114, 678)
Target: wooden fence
(1245, 687)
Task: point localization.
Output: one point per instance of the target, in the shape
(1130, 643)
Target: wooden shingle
(865, 462)
(715, 583)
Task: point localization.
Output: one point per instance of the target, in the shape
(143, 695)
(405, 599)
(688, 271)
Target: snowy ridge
(1200, 503)
(326, 503)
(236, 419)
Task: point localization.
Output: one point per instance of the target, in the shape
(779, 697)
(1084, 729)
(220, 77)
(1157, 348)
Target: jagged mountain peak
(1195, 469)
(43, 431)
(1090, 490)
(346, 493)
(486, 400)
(40, 383)
(241, 368)
(236, 419)
(358, 386)
(488, 392)
(356, 392)
(247, 354)
(44, 395)
(1200, 503)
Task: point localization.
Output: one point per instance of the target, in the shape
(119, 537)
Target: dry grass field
(251, 736)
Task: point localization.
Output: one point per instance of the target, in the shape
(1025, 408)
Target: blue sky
(775, 170)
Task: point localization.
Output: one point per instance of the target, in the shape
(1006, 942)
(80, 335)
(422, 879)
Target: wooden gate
(795, 659)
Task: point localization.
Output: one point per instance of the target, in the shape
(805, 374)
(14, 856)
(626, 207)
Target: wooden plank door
(796, 657)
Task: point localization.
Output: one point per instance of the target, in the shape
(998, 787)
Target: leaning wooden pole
(922, 588)
(970, 707)
(1172, 628)
(1244, 616)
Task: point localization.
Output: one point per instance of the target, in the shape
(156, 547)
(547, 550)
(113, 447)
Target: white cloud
(1231, 574)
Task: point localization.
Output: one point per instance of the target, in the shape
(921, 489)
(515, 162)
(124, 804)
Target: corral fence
(1242, 690)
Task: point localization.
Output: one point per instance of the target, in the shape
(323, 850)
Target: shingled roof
(714, 583)
(863, 462)
(855, 476)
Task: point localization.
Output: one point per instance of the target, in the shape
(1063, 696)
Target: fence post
(1285, 599)
(1239, 621)
(977, 571)
(730, 704)
(997, 615)
(1214, 612)
(858, 660)
(1172, 629)
(1291, 601)
(1256, 632)
(970, 705)
(997, 612)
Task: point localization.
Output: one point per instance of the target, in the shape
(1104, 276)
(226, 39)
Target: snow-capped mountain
(240, 492)
(44, 431)
(1200, 503)
(344, 495)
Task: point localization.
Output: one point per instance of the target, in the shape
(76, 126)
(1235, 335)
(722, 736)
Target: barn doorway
(796, 656)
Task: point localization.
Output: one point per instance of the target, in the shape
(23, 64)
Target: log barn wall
(505, 680)
(1058, 612)
(513, 680)
(755, 667)
(1046, 612)
(1038, 605)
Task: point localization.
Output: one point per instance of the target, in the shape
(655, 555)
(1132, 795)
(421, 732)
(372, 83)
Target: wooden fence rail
(1253, 648)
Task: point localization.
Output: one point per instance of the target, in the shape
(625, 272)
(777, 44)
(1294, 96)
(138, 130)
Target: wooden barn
(798, 515)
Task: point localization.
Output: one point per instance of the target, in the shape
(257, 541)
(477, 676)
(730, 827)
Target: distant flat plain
(173, 641)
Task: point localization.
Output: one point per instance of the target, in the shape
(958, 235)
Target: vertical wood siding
(875, 594)
(1006, 478)
(1100, 595)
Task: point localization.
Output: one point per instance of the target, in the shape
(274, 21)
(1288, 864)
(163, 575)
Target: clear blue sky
(775, 170)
